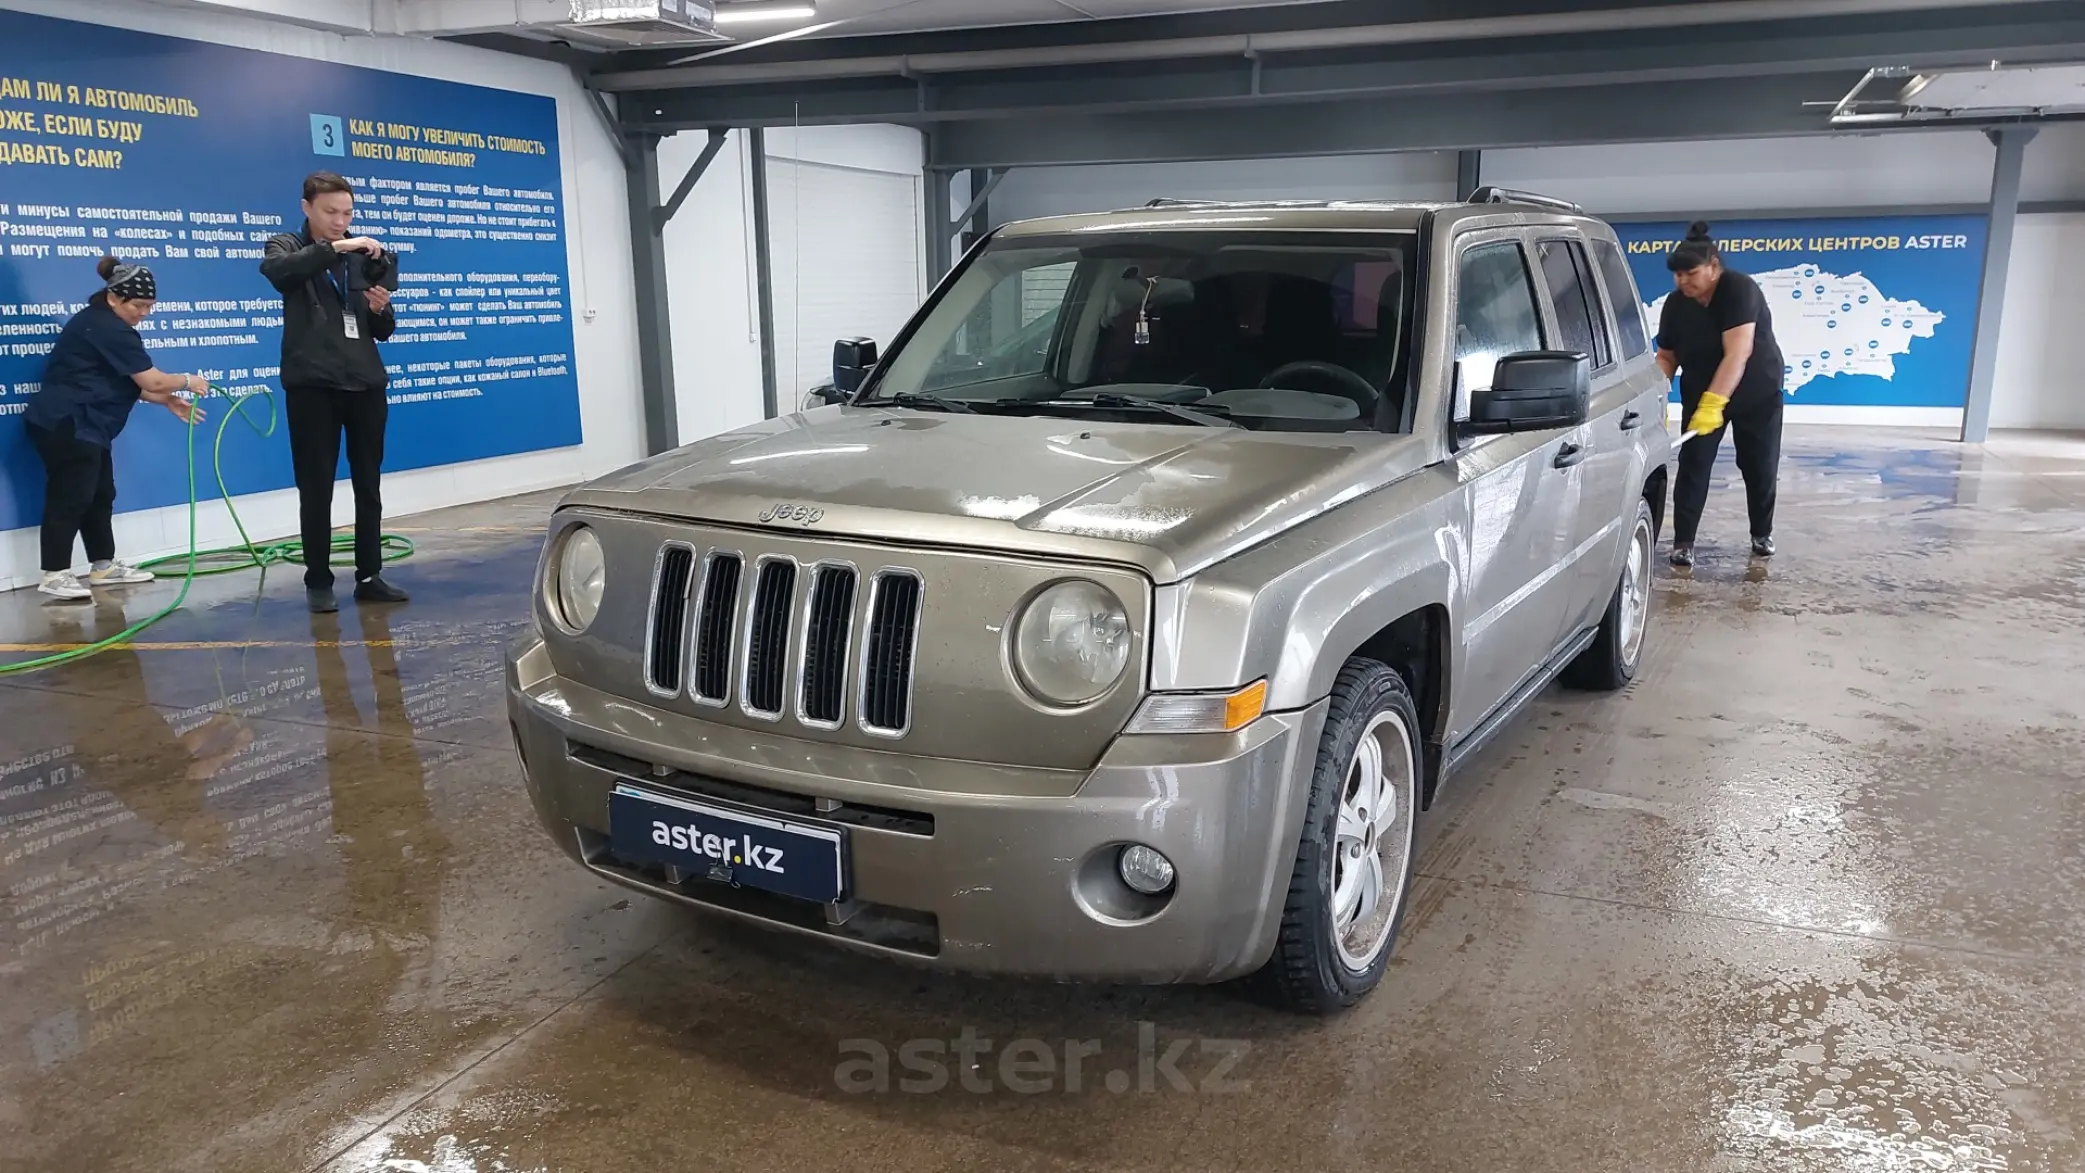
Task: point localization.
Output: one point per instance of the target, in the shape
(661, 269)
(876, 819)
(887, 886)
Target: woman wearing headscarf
(1717, 334)
(97, 372)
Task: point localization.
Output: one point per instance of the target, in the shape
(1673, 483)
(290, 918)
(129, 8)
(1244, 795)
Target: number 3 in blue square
(328, 137)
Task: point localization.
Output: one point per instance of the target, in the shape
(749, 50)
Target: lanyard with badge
(348, 319)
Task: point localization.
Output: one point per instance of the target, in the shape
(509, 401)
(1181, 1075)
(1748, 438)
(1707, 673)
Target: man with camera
(336, 300)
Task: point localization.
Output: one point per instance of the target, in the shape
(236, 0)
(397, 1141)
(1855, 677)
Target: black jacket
(316, 351)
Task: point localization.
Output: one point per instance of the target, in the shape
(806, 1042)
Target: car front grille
(826, 632)
(663, 661)
(785, 640)
(715, 612)
(767, 637)
(887, 670)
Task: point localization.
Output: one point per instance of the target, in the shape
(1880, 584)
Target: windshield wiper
(1202, 416)
(927, 399)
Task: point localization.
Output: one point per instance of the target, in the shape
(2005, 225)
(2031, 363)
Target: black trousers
(79, 498)
(320, 418)
(1755, 432)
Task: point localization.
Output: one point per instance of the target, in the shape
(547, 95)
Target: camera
(381, 269)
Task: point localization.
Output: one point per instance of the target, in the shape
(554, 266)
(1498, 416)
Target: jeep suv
(1125, 614)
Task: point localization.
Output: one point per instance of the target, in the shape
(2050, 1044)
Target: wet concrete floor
(1810, 895)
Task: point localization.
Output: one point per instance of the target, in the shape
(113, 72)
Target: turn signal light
(1201, 712)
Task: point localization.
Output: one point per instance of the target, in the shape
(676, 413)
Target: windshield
(1282, 332)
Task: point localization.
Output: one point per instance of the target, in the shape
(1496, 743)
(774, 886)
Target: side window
(1577, 302)
(1628, 303)
(1494, 315)
(1009, 333)
(1042, 290)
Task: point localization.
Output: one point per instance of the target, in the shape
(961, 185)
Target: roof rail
(1507, 195)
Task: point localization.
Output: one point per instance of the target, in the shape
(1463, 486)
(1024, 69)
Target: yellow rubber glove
(1708, 414)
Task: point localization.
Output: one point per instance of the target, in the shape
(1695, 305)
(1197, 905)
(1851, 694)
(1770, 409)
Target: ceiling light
(751, 10)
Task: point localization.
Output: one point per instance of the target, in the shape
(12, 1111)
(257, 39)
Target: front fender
(1293, 610)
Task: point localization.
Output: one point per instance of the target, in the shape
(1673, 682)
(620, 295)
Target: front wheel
(1610, 662)
(1353, 868)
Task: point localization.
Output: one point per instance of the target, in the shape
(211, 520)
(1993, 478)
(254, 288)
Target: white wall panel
(2040, 379)
(710, 289)
(1947, 167)
(847, 200)
(847, 249)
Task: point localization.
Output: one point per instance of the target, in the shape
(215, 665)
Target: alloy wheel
(1372, 847)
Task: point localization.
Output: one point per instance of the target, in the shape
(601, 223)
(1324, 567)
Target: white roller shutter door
(848, 263)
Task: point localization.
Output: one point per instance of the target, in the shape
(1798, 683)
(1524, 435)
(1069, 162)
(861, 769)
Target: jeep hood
(1171, 499)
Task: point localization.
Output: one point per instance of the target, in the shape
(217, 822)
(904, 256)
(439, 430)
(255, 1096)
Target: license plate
(737, 847)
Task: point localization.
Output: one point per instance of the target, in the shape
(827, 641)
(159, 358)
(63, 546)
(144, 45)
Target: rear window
(1575, 298)
(1621, 291)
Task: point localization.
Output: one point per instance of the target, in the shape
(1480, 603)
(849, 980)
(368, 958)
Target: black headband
(133, 283)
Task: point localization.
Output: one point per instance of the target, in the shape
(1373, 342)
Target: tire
(1610, 663)
(1315, 969)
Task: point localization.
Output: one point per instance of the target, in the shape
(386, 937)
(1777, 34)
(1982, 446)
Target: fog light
(1145, 869)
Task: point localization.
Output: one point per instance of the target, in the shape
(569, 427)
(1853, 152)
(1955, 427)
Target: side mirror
(853, 359)
(1534, 391)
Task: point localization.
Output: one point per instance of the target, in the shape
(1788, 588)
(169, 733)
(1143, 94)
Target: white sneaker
(64, 584)
(117, 573)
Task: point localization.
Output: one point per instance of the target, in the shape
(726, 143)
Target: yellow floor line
(207, 645)
(464, 529)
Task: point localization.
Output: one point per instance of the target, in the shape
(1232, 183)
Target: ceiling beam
(822, 62)
(1659, 112)
(1518, 67)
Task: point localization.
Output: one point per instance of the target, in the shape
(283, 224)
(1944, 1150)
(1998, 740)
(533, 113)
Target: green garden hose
(224, 559)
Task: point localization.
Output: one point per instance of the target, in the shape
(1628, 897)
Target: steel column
(940, 231)
(977, 217)
(982, 184)
(1469, 168)
(654, 321)
(2011, 143)
(763, 272)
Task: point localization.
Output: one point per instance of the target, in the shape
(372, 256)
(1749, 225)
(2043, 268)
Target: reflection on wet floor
(1810, 895)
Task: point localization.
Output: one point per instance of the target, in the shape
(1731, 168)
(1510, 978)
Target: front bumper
(957, 865)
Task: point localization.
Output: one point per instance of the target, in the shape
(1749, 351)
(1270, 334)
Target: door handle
(1632, 420)
(1568, 454)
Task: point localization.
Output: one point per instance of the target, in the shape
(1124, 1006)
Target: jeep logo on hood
(787, 513)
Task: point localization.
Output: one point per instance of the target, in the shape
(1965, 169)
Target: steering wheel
(1352, 385)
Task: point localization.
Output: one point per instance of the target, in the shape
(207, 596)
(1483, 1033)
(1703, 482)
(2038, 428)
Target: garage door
(847, 258)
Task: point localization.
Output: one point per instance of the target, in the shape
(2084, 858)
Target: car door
(1512, 489)
(1592, 548)
(1643, 387)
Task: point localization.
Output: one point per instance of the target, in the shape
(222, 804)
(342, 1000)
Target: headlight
(579, 579)
(1072, 643)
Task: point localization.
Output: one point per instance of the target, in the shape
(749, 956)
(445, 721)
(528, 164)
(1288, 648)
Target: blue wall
(188, 156)
(1873, 311)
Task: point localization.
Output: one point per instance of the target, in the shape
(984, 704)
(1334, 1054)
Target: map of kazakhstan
(1833, 325)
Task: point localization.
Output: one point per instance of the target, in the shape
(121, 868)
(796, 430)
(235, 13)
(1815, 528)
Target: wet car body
(1133, 656)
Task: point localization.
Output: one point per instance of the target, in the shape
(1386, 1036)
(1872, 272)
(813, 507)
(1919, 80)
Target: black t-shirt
(87, 378)
(1694, 332)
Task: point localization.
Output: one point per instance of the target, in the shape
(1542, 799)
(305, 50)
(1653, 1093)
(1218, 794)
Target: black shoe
(376, 590)
(1683, 555)
(1763, 547)
(321, 600)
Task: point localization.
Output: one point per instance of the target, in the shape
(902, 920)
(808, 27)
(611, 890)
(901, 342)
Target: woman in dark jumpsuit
(1717, 334)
